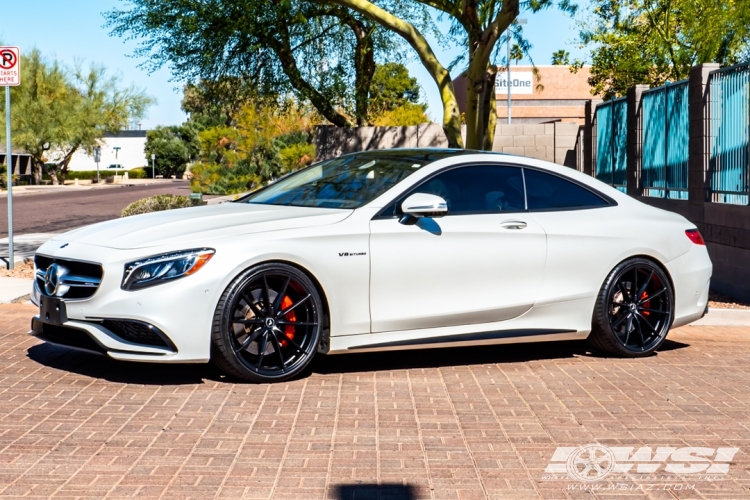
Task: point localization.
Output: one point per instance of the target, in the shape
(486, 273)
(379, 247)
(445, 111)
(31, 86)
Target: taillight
(695, 236)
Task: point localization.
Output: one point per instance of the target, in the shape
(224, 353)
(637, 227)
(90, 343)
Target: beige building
(562, 97)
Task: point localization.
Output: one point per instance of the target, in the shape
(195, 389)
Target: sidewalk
(83, 186)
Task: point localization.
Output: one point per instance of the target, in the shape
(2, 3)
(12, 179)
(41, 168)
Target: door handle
(513, 224)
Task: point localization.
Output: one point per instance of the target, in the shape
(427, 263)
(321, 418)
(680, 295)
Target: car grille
(82, 279)
(138, 332)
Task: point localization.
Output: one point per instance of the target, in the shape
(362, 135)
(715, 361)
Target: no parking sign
(10, 76)
(10, 66)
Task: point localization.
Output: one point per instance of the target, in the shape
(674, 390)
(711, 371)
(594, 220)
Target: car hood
(199, 223)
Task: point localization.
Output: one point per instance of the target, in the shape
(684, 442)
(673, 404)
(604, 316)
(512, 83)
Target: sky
(74, 30)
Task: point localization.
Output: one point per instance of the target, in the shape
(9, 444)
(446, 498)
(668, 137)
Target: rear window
(550, 192)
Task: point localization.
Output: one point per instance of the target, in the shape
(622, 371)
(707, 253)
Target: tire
(634, 310)
(267, 325)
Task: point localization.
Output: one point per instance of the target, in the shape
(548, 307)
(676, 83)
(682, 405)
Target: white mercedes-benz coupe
(376, 251)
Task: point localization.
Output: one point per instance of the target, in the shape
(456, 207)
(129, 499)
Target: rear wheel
(634, 310)
(267, 324)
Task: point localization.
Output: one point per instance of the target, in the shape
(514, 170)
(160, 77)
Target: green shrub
(83, 175)
(158, 203)
(264, 163)
(218, 178)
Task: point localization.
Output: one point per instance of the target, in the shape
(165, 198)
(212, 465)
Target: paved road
(53, 211)
(454, 423)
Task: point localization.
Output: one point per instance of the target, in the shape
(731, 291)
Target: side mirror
(422, 205)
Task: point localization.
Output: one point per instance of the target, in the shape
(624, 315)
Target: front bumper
(94, 338)
(181, 312)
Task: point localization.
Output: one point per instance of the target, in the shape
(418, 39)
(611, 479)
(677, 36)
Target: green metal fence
(666, 134)
(611, 141)
(729, 173)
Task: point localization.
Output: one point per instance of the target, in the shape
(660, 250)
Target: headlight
(159, 269)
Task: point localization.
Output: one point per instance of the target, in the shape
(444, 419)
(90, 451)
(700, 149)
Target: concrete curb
(724, 317)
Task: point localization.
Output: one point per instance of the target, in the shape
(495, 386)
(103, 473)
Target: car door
(583, 235)
(483, 262)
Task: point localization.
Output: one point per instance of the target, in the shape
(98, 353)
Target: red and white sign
(10, 66)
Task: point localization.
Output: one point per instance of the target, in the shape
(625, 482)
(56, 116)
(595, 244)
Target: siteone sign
(521, 82)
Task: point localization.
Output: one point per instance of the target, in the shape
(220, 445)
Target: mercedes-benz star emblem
(52, 278)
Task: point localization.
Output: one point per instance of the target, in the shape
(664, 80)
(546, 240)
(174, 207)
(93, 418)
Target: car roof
(421, 155)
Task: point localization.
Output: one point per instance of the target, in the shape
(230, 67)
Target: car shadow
(105, 368)
(459, 356)
(367, 491)
(112, 370)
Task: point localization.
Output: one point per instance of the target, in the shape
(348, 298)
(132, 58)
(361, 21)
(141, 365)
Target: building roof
(122, 134)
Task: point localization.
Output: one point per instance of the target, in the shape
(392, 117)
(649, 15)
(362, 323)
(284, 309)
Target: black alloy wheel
(267, 325)
(634, 310)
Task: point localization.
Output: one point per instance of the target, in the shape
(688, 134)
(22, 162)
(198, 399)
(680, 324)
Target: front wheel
(634, 310)
(267, 324)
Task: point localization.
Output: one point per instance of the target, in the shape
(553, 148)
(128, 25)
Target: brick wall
(554, 142)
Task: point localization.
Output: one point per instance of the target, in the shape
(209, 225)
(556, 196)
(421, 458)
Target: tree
(391, 87)
(215, 103)
(652, 41)
(408, 114)
(174, 146)
(477, 25)
(41, 109)
(56, 112)
(323, 53)
(395, 97)
(561, 58)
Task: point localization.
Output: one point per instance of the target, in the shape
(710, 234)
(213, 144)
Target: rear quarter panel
(583, 246)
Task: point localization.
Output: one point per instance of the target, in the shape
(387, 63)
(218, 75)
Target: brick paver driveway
(451, 423)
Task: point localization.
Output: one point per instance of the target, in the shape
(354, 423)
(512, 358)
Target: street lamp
(517, 21)
(117, 150)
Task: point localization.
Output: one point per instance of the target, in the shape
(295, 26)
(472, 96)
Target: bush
(158, 203)
(135, 173)
(264, 163)
(218, 178)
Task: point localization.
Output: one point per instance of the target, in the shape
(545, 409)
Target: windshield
(345, 182)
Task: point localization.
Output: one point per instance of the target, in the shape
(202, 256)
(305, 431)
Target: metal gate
(729, 174)
(611, 142)
(666, 135)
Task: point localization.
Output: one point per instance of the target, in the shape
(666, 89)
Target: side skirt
(468, 337)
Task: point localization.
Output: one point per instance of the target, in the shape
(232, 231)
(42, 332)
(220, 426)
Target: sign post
(97, 159)
(153, 169)
(10, 76)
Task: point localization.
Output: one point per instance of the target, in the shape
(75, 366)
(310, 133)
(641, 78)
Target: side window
(478, 189)
(550, 192)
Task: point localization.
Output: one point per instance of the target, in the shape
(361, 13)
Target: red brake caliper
(646, 305)
(291, 317)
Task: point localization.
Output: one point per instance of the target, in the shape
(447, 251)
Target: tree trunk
(364, 69)
(491, 107)
(53, 176)
(38, 170)
(475, 89)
